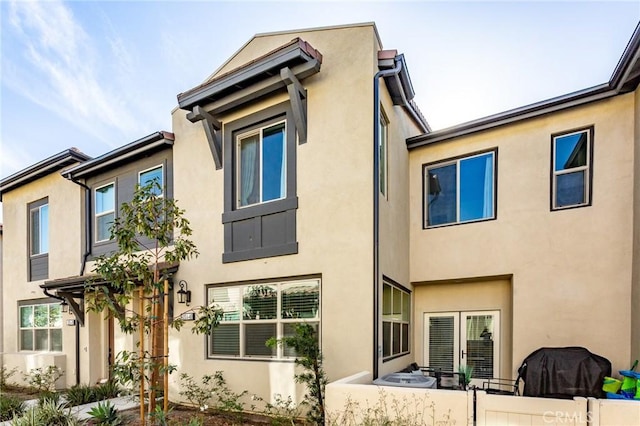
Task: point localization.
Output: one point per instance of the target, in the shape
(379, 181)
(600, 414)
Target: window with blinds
(441, 342)
(252, 313)
(396, 314)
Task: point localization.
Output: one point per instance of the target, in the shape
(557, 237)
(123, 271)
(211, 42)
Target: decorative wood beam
(298, 98)
(74, 306)
(213, 130)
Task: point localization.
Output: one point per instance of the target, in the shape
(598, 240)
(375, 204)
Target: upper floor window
(105, 202)
(255, 312)
(261, 169)
(41, 327)
(383, 135)
(571, 169)
(39, 229)
(396, 318)
(154, 174)
(460, 190)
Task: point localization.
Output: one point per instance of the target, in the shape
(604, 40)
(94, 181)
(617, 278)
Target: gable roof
(625, 78)
(129, 152)
(45, 167)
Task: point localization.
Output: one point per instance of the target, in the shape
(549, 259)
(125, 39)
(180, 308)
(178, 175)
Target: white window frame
(104, 213)
(396, 319)
(279, 321)
(383, 153)
(41, 251)
(159, 166)
(586, 169)
(457, 161)
(238, 171)
(33, 328)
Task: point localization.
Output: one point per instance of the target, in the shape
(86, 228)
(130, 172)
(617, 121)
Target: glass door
(463, 340)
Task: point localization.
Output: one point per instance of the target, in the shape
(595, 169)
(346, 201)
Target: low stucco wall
(25, 362)
(354, 398)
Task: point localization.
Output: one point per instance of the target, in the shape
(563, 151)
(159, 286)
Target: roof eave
(45, 167)
(126, 153)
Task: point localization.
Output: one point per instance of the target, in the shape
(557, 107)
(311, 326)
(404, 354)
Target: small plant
(48, 413)
(105, 414)
(159, 417)
(5, 375)
(282, 411)
(109, 389)
(10, 407)
(48, 396)
(80, 394)
(466, 371)
(43, 379)
(309, 357)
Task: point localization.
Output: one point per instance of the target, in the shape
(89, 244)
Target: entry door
(465, 338)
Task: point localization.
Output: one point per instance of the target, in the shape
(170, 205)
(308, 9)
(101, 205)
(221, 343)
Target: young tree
(152, 237)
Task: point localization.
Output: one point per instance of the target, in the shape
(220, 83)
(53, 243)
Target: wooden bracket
(298, 98)
(213, 130)
(74, 306)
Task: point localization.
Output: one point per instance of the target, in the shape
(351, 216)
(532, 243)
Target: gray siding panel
(126, 178)
(39, 267)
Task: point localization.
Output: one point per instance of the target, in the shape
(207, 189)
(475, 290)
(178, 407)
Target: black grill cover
(564, 373)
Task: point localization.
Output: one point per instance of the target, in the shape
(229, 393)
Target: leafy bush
(43, 379)
(80, 394)
(109, 389)
(105, 414)
(10, 407)
(212, 390)
(48, 396)
(48, 413)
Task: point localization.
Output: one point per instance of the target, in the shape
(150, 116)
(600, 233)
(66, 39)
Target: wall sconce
(184, 294)
(64, 306)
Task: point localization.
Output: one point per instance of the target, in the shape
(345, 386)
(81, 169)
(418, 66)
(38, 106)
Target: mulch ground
(181, 415)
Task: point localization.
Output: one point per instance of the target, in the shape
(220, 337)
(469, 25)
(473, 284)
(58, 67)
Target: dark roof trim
(47, 166)
(400, 87)
(290, 55)
(625, 78)
(126, 153)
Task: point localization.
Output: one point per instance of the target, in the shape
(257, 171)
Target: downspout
(83, 263)
(376, 209)
(87, 224)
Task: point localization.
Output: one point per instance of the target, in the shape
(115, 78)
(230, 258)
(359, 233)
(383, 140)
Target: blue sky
(98, 75)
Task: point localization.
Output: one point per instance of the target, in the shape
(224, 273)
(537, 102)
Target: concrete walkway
(82, 411)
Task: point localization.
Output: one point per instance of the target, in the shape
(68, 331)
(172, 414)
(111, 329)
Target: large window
(460, 190)
(105, 201)
(261, 169)
(39, 224)
(260, 200)
(152, 175)
(396, 319)
(253, 313)
(41, 327)
(571, 169)
(383, 149)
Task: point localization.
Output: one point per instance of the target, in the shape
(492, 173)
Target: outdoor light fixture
(64, 306)
(184, 294)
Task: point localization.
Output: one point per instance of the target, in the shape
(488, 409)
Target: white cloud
(63, 72)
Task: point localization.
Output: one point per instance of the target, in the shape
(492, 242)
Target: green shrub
(48, 413)
(10, 407)
(48, 396)
(107, 390)
(105, 414)
(5, 374)
(80, 394)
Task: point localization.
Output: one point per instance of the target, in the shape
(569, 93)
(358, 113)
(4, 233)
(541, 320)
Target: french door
(463, 339)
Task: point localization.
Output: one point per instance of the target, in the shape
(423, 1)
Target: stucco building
(317, 192)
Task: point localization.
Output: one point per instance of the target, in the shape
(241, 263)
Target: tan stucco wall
(635, 299)
(571, 269)
(65, 236)
(334, 218)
